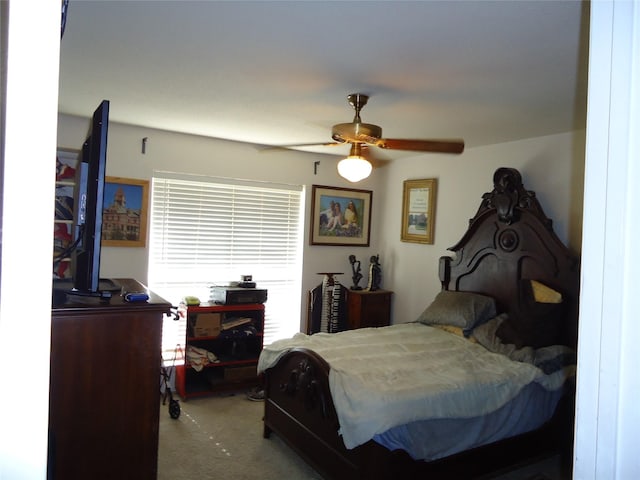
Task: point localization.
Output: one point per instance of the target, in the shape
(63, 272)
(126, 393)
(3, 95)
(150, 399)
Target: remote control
(136, 297)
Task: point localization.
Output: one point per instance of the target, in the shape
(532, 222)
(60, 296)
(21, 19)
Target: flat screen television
(89, 199)
(88, 213)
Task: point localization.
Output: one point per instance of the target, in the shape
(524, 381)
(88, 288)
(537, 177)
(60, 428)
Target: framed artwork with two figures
(340, 216)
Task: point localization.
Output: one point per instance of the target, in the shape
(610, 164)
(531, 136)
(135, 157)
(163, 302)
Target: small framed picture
(418, 210)
(124, 212)
(340, 216)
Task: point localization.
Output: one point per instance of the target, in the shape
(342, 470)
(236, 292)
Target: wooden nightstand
(368, 309)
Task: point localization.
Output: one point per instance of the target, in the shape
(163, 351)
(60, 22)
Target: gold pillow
(544, 294)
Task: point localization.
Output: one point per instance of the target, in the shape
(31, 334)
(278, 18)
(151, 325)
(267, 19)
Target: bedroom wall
(552, 166)
(549, 165)
(171, 151)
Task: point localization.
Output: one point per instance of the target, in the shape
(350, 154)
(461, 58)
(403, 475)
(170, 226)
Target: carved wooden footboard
(299, 409)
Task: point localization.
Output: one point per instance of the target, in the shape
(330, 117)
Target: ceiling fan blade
(440, 146)
(303, 145)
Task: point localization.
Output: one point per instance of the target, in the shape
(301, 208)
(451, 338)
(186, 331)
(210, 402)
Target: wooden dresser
(368, 309)
(104, 398)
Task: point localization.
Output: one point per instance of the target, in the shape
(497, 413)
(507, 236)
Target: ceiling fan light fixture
(354, 168)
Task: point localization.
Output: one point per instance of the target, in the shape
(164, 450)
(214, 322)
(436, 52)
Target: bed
(482, 380)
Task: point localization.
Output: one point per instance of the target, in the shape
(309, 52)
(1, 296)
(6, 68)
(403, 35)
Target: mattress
(383, 378)
(438, 438)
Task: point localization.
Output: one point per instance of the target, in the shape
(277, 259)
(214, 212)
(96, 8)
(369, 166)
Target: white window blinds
(209, 231)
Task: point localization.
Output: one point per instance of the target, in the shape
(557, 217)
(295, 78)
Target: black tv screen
(90, 181)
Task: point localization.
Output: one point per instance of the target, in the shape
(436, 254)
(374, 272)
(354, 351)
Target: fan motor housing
(356, 132)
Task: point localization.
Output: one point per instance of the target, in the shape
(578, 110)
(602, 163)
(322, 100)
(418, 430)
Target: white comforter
(384, 377)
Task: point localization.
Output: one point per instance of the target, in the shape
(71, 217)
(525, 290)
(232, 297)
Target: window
(209, 231)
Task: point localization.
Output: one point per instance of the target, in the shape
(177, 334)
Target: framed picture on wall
(66, 164)
(418, 210)
(124, 212)
(340, 216)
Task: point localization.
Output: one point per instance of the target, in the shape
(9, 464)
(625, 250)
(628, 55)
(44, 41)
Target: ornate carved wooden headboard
(509, 240)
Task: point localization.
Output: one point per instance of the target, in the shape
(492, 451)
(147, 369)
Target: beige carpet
(220, 437)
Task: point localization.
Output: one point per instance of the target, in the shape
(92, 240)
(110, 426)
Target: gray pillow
(461, 309)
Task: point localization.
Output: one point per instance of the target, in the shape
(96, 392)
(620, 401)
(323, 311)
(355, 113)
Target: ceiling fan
(361, 135)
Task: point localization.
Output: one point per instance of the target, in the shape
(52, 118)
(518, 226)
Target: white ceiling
(272, 72)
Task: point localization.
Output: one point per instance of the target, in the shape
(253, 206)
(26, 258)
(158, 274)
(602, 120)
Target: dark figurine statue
(355, 268)
(375, 274)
